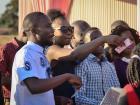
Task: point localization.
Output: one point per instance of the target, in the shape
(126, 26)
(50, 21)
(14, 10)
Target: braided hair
(133, 69)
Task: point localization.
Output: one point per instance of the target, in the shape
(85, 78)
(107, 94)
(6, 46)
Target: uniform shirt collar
(35, 47)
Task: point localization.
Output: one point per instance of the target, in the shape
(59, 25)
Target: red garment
(132, 97)
(7, 54)
(63, 5)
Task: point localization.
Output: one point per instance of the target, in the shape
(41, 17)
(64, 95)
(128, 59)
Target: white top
(30, 61)
(112, 96)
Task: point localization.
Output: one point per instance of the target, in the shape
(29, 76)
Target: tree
(9, 18)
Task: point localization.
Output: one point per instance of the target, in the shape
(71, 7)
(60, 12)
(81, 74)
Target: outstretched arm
(36, 85)
(81, 52)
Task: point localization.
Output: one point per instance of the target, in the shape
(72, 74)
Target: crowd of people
(54, 63)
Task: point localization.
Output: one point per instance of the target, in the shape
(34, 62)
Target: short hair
(133, 69)
(92, 29)
(82, 25)
(118, 23)
(55, 13)
(31, 21)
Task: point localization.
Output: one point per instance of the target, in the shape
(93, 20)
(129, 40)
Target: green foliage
(9, 18)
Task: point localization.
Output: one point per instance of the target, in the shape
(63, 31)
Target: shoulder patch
(42, 62)
(27, 65)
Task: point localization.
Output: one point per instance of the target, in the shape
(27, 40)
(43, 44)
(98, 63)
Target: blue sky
(3, 5)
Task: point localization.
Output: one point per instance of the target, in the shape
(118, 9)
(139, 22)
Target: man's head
(80, 27)
(119, 23)
(37, 26)
(92, 34)
(62, 29)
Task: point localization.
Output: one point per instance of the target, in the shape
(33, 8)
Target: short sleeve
(26, 66)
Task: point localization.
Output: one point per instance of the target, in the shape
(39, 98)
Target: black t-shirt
(61, 67)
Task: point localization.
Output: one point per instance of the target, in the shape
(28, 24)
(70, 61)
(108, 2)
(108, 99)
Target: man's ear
(37, 36)
(24, 34)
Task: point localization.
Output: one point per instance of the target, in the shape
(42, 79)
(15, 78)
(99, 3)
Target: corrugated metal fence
(101, 13)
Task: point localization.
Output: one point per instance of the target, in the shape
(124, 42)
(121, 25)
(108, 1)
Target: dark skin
(76, 39)
(127, 52)
(43, 38)
(57, 52)
(48, 84)
(92, 35)
(61, 38)
(63, 100)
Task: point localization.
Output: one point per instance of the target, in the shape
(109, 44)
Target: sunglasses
(65, 29)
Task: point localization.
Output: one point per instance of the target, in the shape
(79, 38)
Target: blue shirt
(97, 77)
